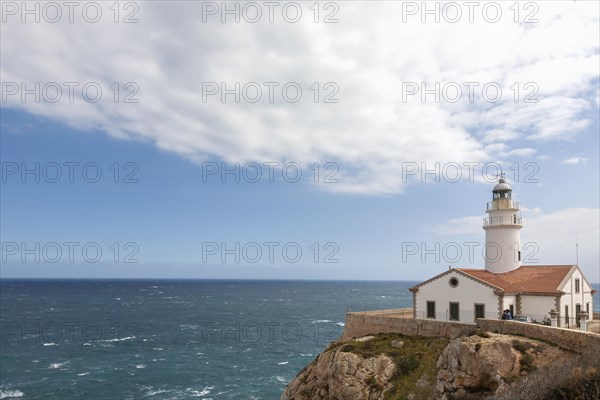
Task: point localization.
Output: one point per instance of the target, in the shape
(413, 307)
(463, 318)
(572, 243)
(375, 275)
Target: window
(479, 311)
(519, 255)
(587, 309)
(453, 282)
(511, 309)
(576, 285)
(431, 309)
(454, 312)
(577, 314)
(567, 316)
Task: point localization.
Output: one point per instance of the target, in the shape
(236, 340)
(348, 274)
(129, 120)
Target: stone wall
(566, 338)
(362, 324)
(373, 322)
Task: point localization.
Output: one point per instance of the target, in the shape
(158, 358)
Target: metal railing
(575, 323)
(502, 221)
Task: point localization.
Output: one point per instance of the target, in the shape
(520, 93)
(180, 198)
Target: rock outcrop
(391, 366)
(339, 375)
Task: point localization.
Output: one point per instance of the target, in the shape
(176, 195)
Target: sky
(294, 140)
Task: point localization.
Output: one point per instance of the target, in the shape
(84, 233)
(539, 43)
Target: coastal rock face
(340, 375)
(477, 364)
(482, 366)
(479, 367)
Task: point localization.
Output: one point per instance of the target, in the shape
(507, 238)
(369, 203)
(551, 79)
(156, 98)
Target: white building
(463, 295)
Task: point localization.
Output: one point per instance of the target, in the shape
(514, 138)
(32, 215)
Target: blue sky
(166, 217)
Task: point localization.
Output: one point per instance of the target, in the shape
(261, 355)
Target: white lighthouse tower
(502, 230)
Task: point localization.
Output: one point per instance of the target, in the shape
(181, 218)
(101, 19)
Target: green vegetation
(526, 361)
(415, 360)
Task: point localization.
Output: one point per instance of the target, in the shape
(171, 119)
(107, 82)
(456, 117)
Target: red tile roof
(525, 279)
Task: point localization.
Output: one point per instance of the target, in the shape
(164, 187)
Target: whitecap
(117, 339)
(199, 393)
(340, 324)
(83, 374)
(306, 355)
(57, 365)
(280, 379)
(140, 366)
(10, 394)
(49, 344)
(157, 348)
(151, 391)
(283, 363)
(321, 321)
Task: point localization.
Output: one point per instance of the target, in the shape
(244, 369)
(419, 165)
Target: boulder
(339, 375)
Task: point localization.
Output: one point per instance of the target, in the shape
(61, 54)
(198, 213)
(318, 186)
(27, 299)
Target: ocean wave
(140, 366)
(117, 339)
(340, 324)
(10, 394)
(50, 344)
(322, 321)
(58, 365)
(283, 363)
(199, 393)
(281, 379)
(83, 374)
(306, 355)
(150, 391)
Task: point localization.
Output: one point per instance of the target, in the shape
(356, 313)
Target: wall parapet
(361, 324)
(568, 339)
(375, 322)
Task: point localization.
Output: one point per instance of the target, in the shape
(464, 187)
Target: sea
(167, 339)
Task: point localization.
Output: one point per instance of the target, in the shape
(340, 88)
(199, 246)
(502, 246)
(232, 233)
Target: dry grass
(574, 379)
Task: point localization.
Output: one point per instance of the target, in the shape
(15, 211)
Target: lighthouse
(502, 230)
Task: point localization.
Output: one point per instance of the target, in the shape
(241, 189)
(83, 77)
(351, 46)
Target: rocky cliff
(482, 366)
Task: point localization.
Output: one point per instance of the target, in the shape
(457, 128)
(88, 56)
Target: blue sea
(135, 339)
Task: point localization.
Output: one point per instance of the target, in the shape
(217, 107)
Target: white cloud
(575, 160)
(555, 235)
(369, 54)
(522, 152)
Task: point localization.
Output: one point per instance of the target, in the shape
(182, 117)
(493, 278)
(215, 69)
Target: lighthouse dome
(501, 186)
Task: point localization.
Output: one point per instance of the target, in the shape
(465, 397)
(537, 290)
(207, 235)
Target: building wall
(508, 301)
(537, 307)
(467, 293)
(571, 298)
